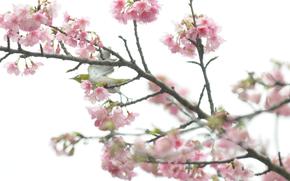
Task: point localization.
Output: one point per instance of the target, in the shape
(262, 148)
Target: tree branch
(119, 63)
(127, 49)
(202, 163)
(139, 47)
(125, 83)
(75, 68)
(211, 60)
(276, 106)
(271, 166)
(5, 56)
(201, 96)
(141, 99)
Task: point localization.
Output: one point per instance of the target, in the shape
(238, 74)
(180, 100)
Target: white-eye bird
(98, 74)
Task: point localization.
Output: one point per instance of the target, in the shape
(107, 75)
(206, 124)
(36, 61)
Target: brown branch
(201, 96)
(122, 62)
(125, 83)
(5, 56)
(139, 47)
(263, 173)
(211, 60)
(183, 126)
(127, 49)
(64, 49)
(274, 107)
(200, 49)
(201, 163)
(141, 99)
(271, 166)
(75, 68)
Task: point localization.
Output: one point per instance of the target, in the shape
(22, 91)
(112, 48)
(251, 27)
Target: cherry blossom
(188, 32)
(110, 119)
(31, 69)
(118, 160)
(144, 11)
(12, 68)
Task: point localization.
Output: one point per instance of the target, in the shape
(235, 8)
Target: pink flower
(83, 53)
(234, 137)
(118, 160)
(98, 94)
(179, 171)
(276, 96)
(234, 171)
(172, 45)
(12, 68)
(98, 113)
(119, 118)
(250, 96)
(29, 24)
(101, 93)
(31, 69)
(144, 11)
(87, 86)
(273, 77)
(110, 120)
(163, 146)
(31, 38)
(205, 29)
(118, 11)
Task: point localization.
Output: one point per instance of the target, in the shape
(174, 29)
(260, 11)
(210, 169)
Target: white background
(33, 109)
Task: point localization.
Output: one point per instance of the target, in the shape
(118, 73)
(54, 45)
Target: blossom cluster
(275, 85)
(110, 119)
(31, 26)
(188, 33)
(144, 11)
(171, 156)
(74, 34)
(118, 160)
(29, 67)
(27, 25)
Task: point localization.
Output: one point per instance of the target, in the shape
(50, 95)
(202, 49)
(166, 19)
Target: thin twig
(211, 60)
(8, 42)
(64, 49)
(280, 159)
(18, 46)
(201, 163)
(273, 167)
(192, 13)
(200, 50)
(41, 48)
(139, 47)
(183, 126)
(194, 62)
(141, 99)
(253, 114)
(125, 83)
(263, 173)
(201, 96)
(75, 68)
(127, 49)
(5, 56)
